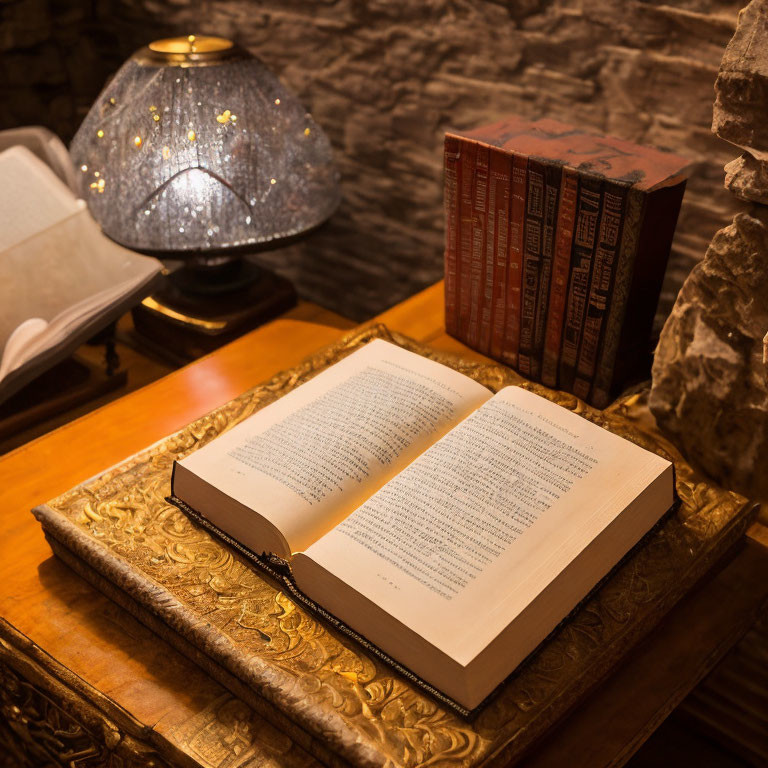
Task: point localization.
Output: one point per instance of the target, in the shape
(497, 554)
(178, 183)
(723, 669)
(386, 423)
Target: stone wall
(385, 78)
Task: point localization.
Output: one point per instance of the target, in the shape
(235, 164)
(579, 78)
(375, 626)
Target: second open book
(452, 528)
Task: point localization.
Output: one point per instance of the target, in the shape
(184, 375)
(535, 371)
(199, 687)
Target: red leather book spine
(532, 240)
(501, 179)
(511, 343)
(553, 175)
(614, 197)
(489, 254)
(588, 211)
(451, 204)
(561, 267)
(479, 213)
(468, 152)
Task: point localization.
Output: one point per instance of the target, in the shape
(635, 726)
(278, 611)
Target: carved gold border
(332, 689)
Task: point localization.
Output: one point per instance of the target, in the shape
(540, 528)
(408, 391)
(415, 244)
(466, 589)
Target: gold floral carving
(332, 689)
(46, 721)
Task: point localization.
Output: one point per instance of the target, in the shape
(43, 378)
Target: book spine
(479, 211)
(553, 175)
(561, 266)
(609, 232)
(512, 311)
(534, 224)
(489, 262)
(601, 389)
(468, 151)
(451, 199)
(501, 178)
(585, 234)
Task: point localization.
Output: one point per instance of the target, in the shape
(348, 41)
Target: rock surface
(739, 114)
(710, 382)
(747, 178)
(385, 79)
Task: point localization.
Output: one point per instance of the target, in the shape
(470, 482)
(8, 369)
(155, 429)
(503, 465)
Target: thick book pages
(591, 225)
(401, 493)
(62, 279)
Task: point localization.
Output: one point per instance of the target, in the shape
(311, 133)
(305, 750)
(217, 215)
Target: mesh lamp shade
(195, 147)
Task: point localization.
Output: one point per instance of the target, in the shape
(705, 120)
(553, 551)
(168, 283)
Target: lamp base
(195, 311)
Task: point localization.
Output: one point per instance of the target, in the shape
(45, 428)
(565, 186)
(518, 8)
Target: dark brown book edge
(501, 178)
(511, 343)
(451, 156)
(467, 150)
(532, 245)
(561, 268)
(477, 265)
(553, 175)
(584, 236)
(600, 284)
(280, 571)
(648, 230)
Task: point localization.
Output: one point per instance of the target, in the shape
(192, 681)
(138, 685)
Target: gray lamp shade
(195, 146)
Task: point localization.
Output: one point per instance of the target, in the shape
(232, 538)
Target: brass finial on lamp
(195, 151)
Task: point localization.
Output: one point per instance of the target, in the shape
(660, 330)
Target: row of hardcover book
(540, 260)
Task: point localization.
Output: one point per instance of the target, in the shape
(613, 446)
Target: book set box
(556, 243)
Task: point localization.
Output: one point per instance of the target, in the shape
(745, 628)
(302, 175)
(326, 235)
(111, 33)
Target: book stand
(325, 692)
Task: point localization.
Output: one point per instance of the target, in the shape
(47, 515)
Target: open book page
(458, 544)
(32, 197)
(307, 460)
(70, 266)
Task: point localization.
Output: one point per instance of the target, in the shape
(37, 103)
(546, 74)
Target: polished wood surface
(161, 690)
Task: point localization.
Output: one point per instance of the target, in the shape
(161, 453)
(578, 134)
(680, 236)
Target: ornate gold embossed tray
(325, 691)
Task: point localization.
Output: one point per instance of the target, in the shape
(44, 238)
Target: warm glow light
(277, 101)
(273, 181)
(137, 141)
(191, 135)
(306, 131)
(100, 133)
(83, 168)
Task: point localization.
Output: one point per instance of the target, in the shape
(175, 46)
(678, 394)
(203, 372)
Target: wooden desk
(68, 652)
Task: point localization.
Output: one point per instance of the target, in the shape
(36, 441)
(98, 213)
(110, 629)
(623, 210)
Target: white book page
(69, 270)
(307, 460)
(483, 521)
(32, 197)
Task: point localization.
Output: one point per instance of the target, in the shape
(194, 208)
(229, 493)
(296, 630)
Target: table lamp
(195, 151)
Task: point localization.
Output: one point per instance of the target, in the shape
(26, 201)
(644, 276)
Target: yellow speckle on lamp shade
(83, 168)
(100, 133)
(137, 141)
(191, 135)
(166, 153)
(233, 118)
(307, 131)
(156, 118)
(273, 181)
(96, 174)
(112, 101)
(153, 108)
(224, 117)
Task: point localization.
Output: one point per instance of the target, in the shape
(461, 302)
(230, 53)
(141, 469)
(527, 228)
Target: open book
(452, 528)
(61, 279)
